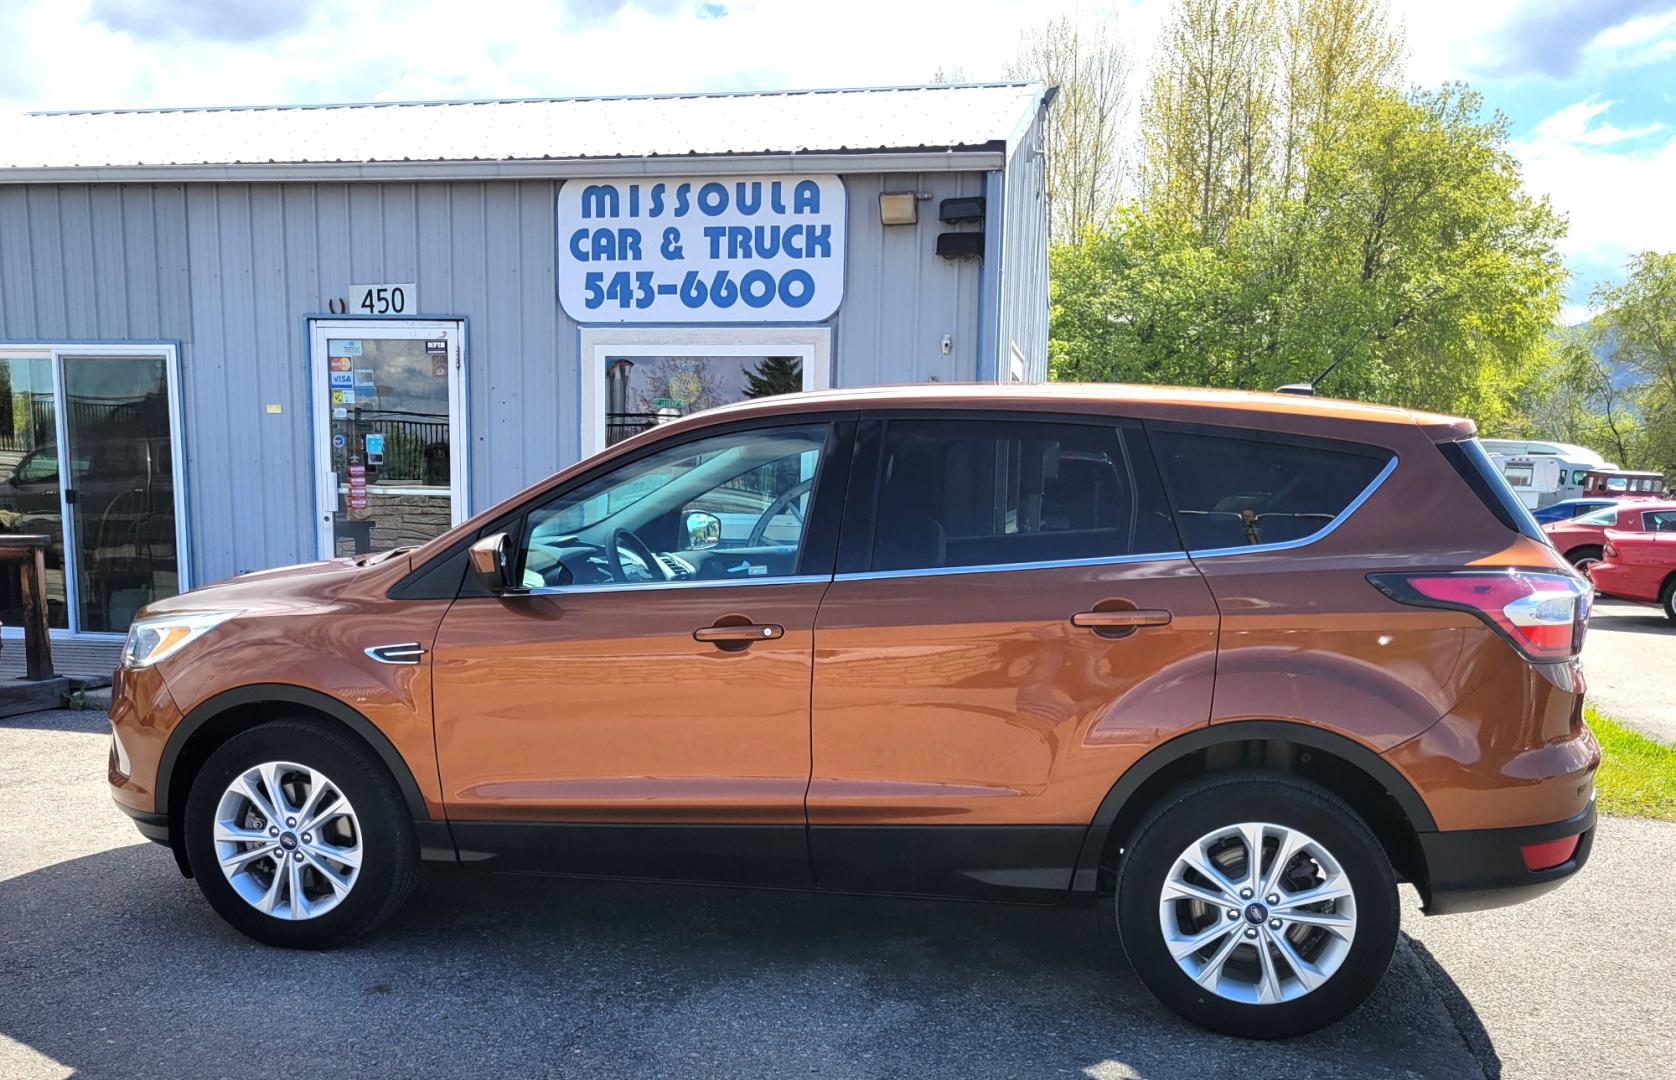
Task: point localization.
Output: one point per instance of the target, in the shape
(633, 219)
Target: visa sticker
(343, 379)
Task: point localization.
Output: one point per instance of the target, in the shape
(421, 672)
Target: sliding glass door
(88, 453)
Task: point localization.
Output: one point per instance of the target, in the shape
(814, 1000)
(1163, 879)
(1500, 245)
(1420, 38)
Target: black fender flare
(265, 693)
(1369, 762)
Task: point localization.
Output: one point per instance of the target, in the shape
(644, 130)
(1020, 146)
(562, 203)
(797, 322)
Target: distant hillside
(1604, 351)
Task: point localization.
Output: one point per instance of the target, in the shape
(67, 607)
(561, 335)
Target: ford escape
(1225, 667)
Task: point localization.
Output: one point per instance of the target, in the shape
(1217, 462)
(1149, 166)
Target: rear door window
(997, 492)
(1236, 489)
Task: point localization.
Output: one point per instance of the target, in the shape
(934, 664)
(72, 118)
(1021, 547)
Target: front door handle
(1119, 622)
(741, 633)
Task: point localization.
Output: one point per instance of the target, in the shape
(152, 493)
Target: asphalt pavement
(1629, 660)
(112, 965)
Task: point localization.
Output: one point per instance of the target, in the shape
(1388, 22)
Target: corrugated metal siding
(900, 298)
(1024, 288)
(230, 270)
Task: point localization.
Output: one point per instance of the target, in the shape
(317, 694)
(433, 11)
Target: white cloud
(1575, 125)
(1575, 314)
(1617, 197)
(56, 54)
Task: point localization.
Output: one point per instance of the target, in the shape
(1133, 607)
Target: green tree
(774, 375)
(1207, 119)
(1415, 260)
(1086, 154)
(1636, 330)
(1330, 51)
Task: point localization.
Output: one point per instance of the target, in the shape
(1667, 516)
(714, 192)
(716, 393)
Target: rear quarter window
(1472, 463)
(1234, 489)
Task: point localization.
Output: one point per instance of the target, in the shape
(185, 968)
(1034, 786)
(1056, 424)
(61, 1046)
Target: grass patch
(1637, 776)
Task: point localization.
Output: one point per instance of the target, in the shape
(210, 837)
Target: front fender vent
(406, 653)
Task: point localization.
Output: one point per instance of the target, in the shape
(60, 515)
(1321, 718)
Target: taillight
(1543, 614)
(1609, 551)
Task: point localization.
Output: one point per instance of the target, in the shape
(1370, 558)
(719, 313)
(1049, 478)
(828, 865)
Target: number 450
(384, 300)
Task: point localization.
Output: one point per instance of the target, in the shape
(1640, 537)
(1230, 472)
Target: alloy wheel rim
(288, 840)
(1263, 929)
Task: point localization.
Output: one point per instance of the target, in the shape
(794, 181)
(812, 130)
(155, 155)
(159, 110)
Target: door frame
(596, 344)
(56, 352)
(324, 500)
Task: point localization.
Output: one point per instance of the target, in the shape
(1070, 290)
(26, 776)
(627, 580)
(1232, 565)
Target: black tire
(1201, 807)
(1667, 597)
(390, 850)
(1580, 557)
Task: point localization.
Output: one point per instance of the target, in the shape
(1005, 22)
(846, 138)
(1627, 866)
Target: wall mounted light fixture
(898, 208)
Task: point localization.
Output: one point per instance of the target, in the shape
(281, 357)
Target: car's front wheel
(298, 837)
(1668, 599)
(1257, 905)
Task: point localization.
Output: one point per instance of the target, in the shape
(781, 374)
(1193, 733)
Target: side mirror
(493, 560)
(704, 530)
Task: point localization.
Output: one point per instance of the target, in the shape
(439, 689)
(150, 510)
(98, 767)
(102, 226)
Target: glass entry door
(387, 408)
(88, 457)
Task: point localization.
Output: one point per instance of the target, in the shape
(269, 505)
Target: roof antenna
(1307, 389)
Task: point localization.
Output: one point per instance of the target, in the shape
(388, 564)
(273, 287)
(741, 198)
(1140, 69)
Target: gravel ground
(114, 966)
(1629, 659)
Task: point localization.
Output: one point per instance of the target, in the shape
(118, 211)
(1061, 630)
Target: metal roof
(873, 121)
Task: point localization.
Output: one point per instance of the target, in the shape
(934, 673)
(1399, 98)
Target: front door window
(726, 508)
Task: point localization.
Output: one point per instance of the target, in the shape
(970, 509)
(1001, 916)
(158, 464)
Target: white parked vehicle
(1541, 472)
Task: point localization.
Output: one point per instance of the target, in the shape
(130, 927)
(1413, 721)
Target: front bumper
(152, 826)
(1477, 869)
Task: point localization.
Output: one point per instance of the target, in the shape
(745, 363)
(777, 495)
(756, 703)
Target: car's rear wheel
(298, 837)
(1668, 599)
(1583, 557)
(1257, 905)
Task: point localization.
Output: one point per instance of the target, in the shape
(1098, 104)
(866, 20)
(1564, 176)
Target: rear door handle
(743, 632)
(1122, 619)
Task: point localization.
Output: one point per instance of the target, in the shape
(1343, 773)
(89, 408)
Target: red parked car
(1640, 566)
(1581, 539)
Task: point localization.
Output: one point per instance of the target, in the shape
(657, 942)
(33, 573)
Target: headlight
(151, 640)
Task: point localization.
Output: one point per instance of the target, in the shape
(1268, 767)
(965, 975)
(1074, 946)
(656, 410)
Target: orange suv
(1226, 667)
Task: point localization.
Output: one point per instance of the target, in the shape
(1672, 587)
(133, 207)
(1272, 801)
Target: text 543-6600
(756, 288)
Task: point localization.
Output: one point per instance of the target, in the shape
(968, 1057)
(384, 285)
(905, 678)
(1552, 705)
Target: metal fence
(414, 449)
(623, 425)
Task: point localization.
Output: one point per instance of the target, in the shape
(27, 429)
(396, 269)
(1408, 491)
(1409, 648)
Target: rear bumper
(1476, 869)
(1638, 583)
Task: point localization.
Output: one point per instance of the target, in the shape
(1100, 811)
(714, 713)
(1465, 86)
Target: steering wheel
(625, 539)
(787, 498)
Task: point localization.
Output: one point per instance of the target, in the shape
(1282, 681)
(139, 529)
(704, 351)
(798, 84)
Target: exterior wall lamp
(898, 208)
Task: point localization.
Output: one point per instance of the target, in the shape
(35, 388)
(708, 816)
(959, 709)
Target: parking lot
(1628, 660)
(113, 965)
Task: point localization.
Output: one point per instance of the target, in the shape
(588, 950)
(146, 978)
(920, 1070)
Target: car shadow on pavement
(1649, 620)
(86, 721)
(116, 965)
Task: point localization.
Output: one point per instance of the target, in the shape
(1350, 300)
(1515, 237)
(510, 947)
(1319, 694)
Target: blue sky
(1590, 87)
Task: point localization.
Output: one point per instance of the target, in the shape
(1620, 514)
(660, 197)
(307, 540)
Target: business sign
(701, 250)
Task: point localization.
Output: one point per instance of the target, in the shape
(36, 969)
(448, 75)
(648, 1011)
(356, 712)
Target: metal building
(233, 339)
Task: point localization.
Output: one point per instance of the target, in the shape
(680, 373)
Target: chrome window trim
(658, 586)
(995, 568)
(1304, 541)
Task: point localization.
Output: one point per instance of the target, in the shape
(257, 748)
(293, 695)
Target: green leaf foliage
(1413, 258)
